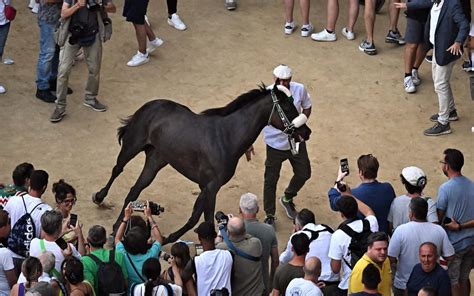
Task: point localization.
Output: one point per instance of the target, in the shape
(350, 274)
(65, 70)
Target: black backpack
(358, 245)
(110, 279)
(315, 233)
(23, 232)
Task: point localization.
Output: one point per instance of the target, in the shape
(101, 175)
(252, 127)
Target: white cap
(414, 175)
(283, 72)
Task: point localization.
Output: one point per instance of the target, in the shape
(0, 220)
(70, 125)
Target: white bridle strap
(281, 88)
(299, 120)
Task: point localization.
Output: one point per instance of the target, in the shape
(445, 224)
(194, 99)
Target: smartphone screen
(73, 220)
(61, 243)
(199, 249)
(138, 205)
(345, 166)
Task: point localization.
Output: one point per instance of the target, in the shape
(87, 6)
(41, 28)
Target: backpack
(110, 279)
(315, 233)
(358, 245)
(23, 232)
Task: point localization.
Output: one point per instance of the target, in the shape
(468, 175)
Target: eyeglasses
(69, 201)
(443, 162)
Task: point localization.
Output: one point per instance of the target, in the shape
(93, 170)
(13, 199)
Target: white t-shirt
(35, 251)
(160, 290)
(43, 278)
(400, 208)
(302, 287)
(6, 263)
(274, 137)
(213, 270)
(317, 248)
(16, 209)
(435, 10)
(339, 248)
(405, 244)
(3, 19)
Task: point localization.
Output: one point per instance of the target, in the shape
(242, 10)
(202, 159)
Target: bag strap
(41, 203)
(234, 249)
(134, 268)
(95, 259)
(21, 289)
(54, 272)
(366, 225)
(168, 289)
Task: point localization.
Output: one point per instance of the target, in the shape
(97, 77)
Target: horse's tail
(123, 129)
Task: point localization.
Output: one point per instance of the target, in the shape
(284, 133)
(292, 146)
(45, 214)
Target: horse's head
(285, 116)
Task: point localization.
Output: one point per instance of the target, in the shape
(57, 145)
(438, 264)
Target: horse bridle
(289, 126)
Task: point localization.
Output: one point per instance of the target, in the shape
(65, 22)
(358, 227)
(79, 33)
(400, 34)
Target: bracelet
(154, 226)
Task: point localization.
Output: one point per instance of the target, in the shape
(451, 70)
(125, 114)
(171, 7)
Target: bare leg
(333, 13)
(141, 34)
(149, 32)
(410, 53)
(369, 19)
(393, 13)
(289, 5)
(420, 55)
(304, 6)
(353, 13)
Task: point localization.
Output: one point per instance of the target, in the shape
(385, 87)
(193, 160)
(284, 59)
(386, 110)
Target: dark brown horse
(205, 148)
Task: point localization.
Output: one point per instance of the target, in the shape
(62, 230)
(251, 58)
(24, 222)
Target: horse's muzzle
(302, 133)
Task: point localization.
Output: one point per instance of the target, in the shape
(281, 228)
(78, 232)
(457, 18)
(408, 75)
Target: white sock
(472, 55)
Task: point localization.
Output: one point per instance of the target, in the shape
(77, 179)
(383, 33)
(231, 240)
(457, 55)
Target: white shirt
(6, 263)
(274, 137)
(16, 209)
(317, 248)
(160, 290)
(435, 10)
(405, 244)
(43, 278)
(213, 270)
(3, 19)
(302, 287)
(400, 208)
(339, 248)
(35, 251)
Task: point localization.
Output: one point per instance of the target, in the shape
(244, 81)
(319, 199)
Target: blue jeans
(48, 59)
(3, 36)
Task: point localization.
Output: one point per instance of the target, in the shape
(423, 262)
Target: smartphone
(345, 166)
(138, 205)
(61, 243)
(446, 220)
(73, 220)
(199, 249)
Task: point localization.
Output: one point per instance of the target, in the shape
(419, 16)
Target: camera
(166, 256)
(220, 292)
(221, 218)
(139, 206)
(92, 4)
(341, 186)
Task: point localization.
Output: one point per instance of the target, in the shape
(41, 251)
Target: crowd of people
(409, 244)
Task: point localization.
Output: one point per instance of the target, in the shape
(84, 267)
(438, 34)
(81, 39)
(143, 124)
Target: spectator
(378, 196)
(21, 181)
(446, 44)
(213, 267)
(290, 26)
(180, 253)
(96, 239)
(371, 280)
(414, 180)
(32, 270)
(247, 278)
(65, 197)
(134, 12)
(376, 255)
(134, 246)
(428, 273)
(427, 291)
(329, 33)
(155, 285)
(7, 270)
(308, 285)
(294, 268)
(455, 201)
(4, 29)
(173, 18)
(73, 273)
(340, 240)
(265, 233)
(87, 38)
(468, 64)
(32, 204)
(320, 239)
(408, 237)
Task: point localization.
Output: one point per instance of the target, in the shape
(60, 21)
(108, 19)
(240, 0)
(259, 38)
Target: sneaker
(306, 30)
(153, 45)
(416, 78)
(378, 5)
(8, 61)
(289, 207)
(453, 116)
(176, 22)
(394, 37)
(138, 59)
(438, 129)
(348, 34)
(45, 95)
(2, 89)
(270, 220)
(409, 85)
(95, 105)
(467, 66)
(31, 4)
(324, 35)
(368, 48)
(57, 115)
(35, 8)
(429, 58)
(289, 27)
(231, 4)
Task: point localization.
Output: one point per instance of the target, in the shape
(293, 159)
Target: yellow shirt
(355, 281)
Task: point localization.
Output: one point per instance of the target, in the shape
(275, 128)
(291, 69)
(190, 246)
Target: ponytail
(149, 285)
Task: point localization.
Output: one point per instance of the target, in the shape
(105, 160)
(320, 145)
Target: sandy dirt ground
(359, 106)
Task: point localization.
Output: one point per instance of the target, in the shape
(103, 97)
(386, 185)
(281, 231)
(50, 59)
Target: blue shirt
(438, 279)
(138, 261)
(456, 199)
(378, 196)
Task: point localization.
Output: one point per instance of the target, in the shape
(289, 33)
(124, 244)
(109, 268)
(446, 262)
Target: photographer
(84, 31)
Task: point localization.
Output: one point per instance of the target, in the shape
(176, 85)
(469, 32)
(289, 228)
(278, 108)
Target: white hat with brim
(283, 72)
(412, 174)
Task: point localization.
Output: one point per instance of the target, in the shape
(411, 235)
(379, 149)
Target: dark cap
(97, 235)
(206, 230)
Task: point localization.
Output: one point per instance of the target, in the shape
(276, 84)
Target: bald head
(312, 268)
(236, 227)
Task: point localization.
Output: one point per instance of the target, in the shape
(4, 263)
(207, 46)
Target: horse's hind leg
(153, 163)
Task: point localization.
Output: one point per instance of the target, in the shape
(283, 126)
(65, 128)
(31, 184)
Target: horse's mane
(238, 103)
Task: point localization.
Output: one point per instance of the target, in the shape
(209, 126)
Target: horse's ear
(275, 85)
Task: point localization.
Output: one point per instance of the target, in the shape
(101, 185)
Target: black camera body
(222, 219)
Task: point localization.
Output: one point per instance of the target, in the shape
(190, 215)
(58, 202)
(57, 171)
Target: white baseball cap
(283, 72)
(413, 175)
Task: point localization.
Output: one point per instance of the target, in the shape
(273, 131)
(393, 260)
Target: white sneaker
(416, 78)
(289, 27)
(152, 45)
(2, 90)
(176, 22)
(324, 35)
(138, 59)
(8, 61)
(348, 34)
(306, 30)
(35, 8)
(409, 86)
(31, 4)
(231, 4)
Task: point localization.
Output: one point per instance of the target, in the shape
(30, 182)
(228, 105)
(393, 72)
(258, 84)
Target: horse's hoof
(95, 199)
